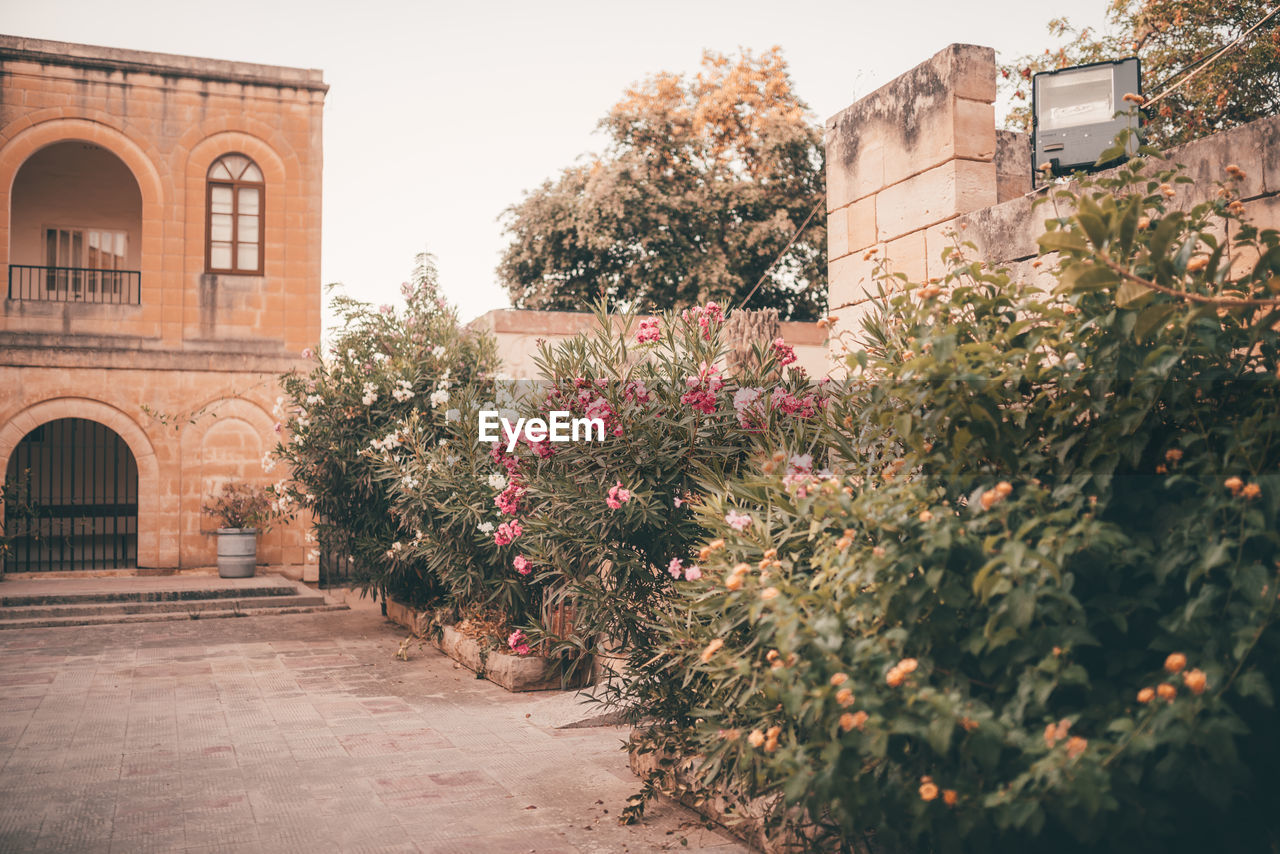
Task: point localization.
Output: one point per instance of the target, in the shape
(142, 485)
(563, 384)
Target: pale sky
(440, 115)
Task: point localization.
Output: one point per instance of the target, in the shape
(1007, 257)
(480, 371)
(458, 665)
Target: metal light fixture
(1077, 112)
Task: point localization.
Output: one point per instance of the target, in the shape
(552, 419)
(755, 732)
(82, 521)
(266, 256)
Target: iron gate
(71, 500)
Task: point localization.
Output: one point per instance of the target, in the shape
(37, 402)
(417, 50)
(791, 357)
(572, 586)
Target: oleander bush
(383, 371)
(606, 527)
(1032, 607)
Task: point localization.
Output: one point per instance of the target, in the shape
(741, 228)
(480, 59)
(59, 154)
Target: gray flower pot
(237, 552)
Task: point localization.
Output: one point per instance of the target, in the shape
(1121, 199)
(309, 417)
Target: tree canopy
(703, 182)
(1172, 36)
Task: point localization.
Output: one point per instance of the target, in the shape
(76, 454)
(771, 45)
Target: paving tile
(295, 734)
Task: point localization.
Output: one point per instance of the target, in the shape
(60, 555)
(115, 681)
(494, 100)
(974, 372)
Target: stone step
(188, 594)
(159, 616)
(184, 606)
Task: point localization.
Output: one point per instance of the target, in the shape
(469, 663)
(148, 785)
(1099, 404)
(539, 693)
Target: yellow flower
(711, 649)
(1195, 681)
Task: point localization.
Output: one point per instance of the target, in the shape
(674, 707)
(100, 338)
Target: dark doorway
(71, 500)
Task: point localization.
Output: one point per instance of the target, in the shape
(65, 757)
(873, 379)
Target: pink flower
(617, 496)
(648, 332)
(385, 308)
(279, 428)
(785, 353)
(738, 521)
(702, 389)
(675, 567)
(307, 352)
(507, 532)
(705, 316)
(516, 641)
(509, 500)
(746, 402)
(692, 572)
(521, 563)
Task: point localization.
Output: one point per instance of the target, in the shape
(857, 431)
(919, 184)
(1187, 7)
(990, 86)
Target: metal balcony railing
(75, 284)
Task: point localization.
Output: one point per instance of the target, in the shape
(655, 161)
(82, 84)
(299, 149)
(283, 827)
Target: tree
(1172, 36)
(702, 185)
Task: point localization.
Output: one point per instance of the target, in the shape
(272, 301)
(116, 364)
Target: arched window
(233, 221)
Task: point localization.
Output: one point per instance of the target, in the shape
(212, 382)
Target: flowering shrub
(1034, 609)
(607, 525)
(384, 372)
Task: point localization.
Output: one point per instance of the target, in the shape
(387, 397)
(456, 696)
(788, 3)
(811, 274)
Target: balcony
(75, 284)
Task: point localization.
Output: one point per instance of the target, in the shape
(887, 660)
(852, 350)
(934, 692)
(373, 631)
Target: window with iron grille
(233, 221)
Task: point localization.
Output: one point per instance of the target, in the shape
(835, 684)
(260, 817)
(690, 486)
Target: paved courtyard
(297, 733)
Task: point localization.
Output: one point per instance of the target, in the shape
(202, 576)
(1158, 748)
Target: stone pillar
(902, 164)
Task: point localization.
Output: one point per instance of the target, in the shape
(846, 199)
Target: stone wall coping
(111, 59)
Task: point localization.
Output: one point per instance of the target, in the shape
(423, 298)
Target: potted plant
(242, 511)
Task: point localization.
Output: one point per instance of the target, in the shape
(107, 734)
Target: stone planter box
(513, 672)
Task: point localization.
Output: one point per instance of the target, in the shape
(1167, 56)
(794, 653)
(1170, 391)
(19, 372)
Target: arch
(149, 511)
(25, 143)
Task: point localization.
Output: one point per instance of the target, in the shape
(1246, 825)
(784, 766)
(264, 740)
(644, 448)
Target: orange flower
(1167, 692)
(1050, 735)
(715, 545)
(839, 679)
(1134, 98)
(1234, 484)
(1076, 745)
(1175, 662)
(969, 724)
(1144, 222)
(733, 582)
(989, 498)
(756, 738)
(848, 721)
(926, 516)
(859, 718)
(928, 790)
(769, 593)
(878, 551)
(729, 734)
(1173, 455)
(1251, 491)
(894, 677)
(1195, 681)
(711, 649)
(1195, 265)
(770, 554)
(844, 697)
(843, 543)
(908, 665)
(1146, 695)
(949, 797)
(1004, 489)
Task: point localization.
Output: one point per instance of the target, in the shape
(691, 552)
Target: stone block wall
(918, 165)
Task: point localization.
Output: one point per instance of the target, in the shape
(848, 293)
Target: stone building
(160, 237)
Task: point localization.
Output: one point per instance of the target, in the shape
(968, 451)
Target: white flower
(351, 354)
(313, 556)
(409, 482)
(452, 415)
(403, 390)
(438, 351)
(379, 357)
(370, 394)
(313, 399)
(486, 527)
(439, 397)
(451, 460)
(268, 462)
(498, 482)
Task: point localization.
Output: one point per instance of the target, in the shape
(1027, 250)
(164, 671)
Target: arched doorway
(71, 499)
(75, 227)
